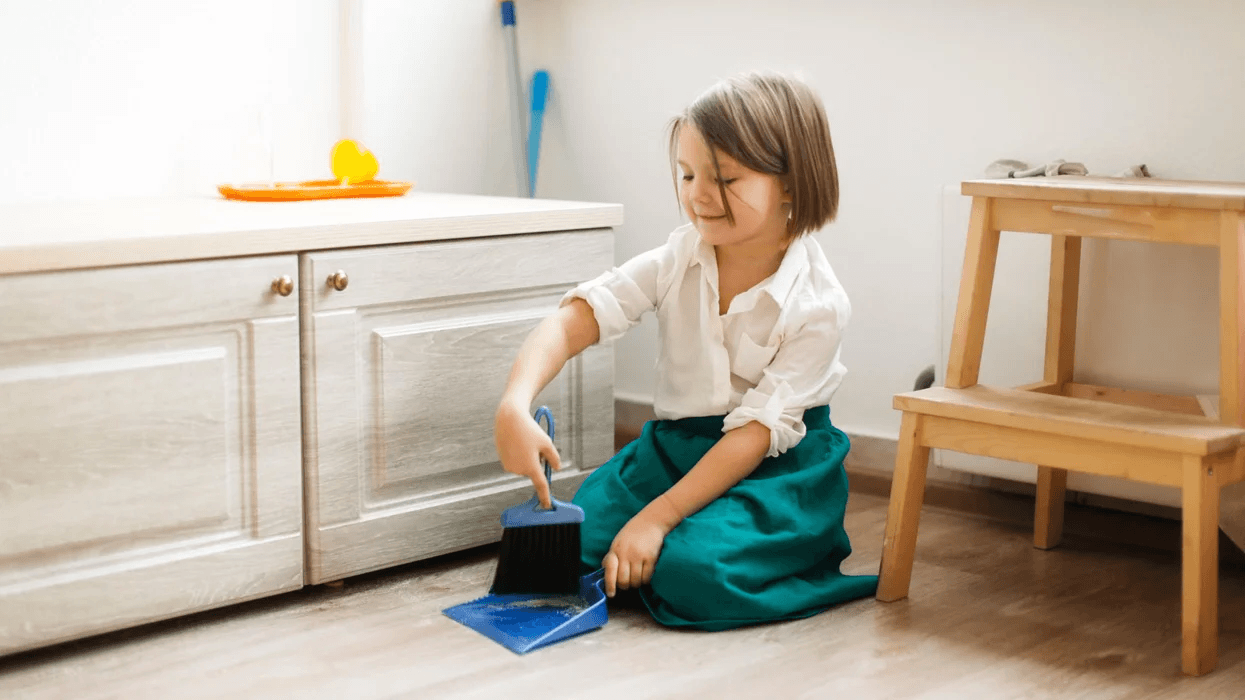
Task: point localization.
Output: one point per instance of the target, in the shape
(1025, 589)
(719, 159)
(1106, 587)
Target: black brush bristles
(539, 559)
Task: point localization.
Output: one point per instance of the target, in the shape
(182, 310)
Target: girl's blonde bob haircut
(772, 124)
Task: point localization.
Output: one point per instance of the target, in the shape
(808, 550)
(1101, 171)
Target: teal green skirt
(768, 549)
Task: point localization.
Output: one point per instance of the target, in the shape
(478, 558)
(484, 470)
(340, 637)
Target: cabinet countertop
(45, 236)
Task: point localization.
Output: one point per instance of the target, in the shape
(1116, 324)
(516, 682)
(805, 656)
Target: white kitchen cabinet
(150, 459)
(406, 351)
(172, 422)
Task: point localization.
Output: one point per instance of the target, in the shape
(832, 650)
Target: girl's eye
(726, 181)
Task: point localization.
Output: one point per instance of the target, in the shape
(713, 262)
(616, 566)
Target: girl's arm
(633, 554)
(521, 442)
(734, 457)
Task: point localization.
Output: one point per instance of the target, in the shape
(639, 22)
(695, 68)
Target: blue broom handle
(544, 412)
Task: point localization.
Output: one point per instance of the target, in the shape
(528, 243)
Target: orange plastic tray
(313, 189)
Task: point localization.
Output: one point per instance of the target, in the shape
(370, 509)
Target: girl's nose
(703, 191)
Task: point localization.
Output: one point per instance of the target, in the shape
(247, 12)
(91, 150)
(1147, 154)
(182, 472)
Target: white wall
(143, 97)
(149, 97)
(111, 98)
(436, 96)
(919, 95)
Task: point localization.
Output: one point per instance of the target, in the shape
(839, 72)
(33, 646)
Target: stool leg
(1052, 484)
(981, 252)
(1065, 285)
(904, 512)
(1200, 555)
(1231, 318)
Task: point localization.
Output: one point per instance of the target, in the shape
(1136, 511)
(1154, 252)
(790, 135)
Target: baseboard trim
(870, 464)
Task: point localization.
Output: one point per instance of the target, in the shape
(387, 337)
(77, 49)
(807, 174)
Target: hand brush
(540, 547)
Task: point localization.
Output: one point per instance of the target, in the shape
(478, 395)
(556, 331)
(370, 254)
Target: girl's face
(757, 200)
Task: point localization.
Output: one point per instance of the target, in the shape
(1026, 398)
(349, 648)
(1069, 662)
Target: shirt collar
(794, 263)
(778, 285)
(702, 253)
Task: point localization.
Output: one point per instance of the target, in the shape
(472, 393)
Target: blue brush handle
(544, 412)
(540, 92)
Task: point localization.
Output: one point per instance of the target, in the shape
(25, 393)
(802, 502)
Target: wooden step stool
(1060, 425)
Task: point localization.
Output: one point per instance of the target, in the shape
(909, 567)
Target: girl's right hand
(521, 443)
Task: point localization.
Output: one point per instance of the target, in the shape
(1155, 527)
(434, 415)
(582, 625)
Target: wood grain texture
(903, 515)
(333, 431)
(421, 529)
(275, 491)
(1189, 405)
(972, 308)
(1122, 223)
(41, 237)
(1230, 469)
(1142, 192)
(1231, 325)
(593, 384)
(1042, 387)
(990, 618)
(91, 302)
(1062, 299)
(1081, 418)
(1229, 407)
(1200, 568)
(1051, 490)
(79, 460)
(151, 466)
(1060, 363)
(101, 596)
(401, 463)
(409, 273)
(430, 432)
(1054, 449)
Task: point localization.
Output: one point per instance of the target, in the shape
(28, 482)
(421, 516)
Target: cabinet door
(405, 367)
(149, 444)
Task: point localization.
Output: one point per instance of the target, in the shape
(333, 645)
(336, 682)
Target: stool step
(1084, 418)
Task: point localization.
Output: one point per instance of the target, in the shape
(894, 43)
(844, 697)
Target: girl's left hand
(633, 554)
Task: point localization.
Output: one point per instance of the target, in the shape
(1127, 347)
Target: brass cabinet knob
(338, 280)
(283, 285)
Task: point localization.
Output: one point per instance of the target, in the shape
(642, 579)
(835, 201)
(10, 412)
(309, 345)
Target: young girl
(728, 510)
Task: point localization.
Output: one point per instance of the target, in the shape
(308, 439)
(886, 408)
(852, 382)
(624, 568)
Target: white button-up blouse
(772, 355)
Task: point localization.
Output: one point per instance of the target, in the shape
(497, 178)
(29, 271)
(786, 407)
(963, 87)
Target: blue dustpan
(522, 623)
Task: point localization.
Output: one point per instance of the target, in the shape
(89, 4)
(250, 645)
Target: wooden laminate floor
(989, 617)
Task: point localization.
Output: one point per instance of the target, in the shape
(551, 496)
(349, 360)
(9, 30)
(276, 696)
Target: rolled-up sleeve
(620, 297)
(804, 373)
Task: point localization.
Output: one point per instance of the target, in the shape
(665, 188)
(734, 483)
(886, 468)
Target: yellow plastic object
(354, 168)
(352, 164)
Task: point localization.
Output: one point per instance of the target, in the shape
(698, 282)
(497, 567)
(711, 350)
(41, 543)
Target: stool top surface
(1134, 191)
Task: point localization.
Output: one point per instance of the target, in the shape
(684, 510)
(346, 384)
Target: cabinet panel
(100, 302)
(430, 435)
(151, 468)
(404, 465)
(67, 460)
(401, 274)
